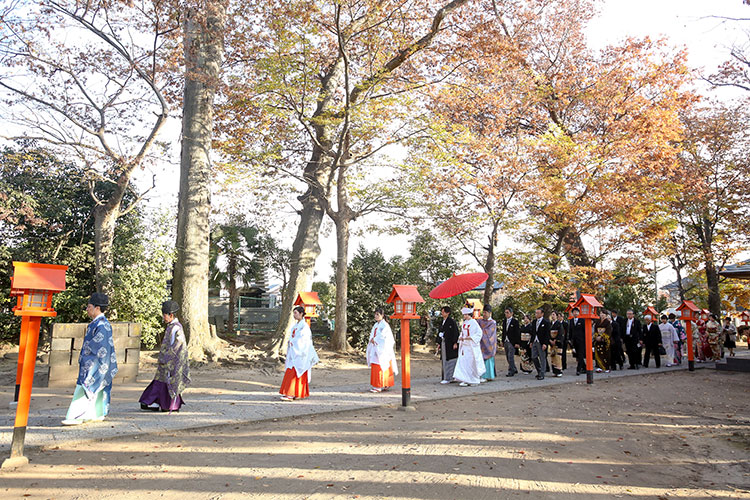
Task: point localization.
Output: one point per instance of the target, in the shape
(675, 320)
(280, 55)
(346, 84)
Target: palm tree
(240, 247)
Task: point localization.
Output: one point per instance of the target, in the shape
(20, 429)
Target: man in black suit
(652, 341)
(539, 342)
(631, 334)
(577, 335)
(615, 347)
(448, 342)
(511, 340)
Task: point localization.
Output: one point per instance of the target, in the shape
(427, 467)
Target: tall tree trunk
(574, 249)
(203, 38)
(105, 218)
(305, 251)
(489, 265)
(339, 341)
(232, 286)
(677, 266)
(712, 282)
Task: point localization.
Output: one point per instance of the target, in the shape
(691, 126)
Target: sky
(687, 23)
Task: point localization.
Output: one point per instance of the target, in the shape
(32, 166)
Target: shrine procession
(436, 249)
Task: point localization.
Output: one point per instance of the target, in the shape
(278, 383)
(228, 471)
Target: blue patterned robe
(97, 362)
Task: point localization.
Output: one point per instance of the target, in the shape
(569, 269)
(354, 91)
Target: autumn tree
(312, 92)
(90, 79)
(712, 202)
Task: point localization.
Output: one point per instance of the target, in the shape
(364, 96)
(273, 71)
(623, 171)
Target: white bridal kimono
(301, 354)
(381, 351)
(470, 364)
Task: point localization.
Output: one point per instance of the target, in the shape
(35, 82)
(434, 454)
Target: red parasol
(458, 284)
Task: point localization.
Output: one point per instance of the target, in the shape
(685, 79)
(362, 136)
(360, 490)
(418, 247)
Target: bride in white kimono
(470, 364)
(380, 355)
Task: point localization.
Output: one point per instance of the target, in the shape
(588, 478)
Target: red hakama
(294, 386)
(380, 379)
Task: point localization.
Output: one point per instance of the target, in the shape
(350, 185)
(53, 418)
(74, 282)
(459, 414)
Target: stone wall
(65, 346)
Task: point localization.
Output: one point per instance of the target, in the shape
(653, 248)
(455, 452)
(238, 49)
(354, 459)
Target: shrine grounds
(654, 435)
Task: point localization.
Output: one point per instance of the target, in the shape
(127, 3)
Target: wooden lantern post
(689, 312)
(404, 299)
(589, 307)
(745, 317)
(33, 285)
(310, 301)
(650, 311)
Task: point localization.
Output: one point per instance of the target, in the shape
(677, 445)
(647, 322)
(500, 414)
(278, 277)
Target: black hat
(169, 307)
(99, 299)
(488, 308)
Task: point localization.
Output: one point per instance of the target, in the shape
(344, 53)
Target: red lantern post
(33, 285)
(745, 317)
(404, 299)
(589, 307)
(689, 312)
(310, 301)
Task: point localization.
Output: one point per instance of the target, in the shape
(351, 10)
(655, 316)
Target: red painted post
(589, 352)
(27, 379)
(21, 351)
(405, 364)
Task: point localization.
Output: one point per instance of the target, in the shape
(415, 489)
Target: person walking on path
(730, 335)
(173, 369)
(539, 343)
(470, 364)
(300, 358)
(556, 339)
(448, 344)
(668, 338)
(97, 366)
(651, 341)
(488, 343)
(511, 340)
(380, 355)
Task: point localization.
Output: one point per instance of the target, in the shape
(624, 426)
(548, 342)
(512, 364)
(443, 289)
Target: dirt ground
(660, 436)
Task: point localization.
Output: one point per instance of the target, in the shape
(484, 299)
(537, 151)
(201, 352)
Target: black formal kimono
(652, 340)
(511, 337)
(632, 337)
(448, 338)
(618, 327)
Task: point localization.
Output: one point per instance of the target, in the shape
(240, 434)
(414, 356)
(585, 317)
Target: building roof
(407, 293)
(33, 276)
(740, 271)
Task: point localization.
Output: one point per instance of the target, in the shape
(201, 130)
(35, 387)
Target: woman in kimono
(556, 339)
(526, 365)
(730, 335)
(701, 347)
(380, 355)
(97, 366)
(713, 334)
(488, 343)
(602, 341)
(300, 358)
(470, 364)
(173, 371)
(681, 335)
(668, 338)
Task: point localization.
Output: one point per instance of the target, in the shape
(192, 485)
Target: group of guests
(542, 343)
